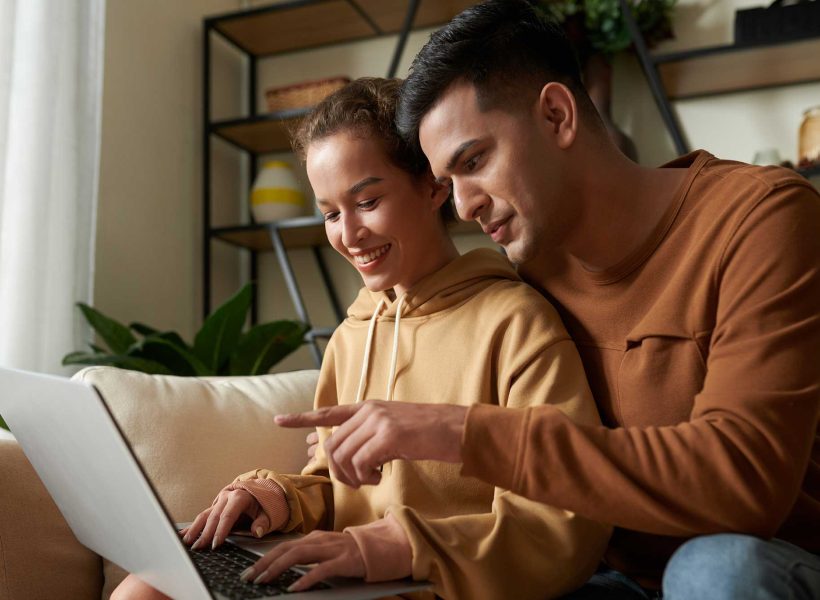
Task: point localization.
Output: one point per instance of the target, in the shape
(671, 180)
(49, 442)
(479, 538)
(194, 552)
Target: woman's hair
(365, 107)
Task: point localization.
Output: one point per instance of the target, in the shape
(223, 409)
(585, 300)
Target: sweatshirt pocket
(658, 380)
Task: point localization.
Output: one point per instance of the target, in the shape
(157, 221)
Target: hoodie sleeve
(520, 548)
(309, 495)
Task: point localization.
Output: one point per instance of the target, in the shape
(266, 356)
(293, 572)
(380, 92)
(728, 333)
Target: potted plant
(220, 347)
(598, 31)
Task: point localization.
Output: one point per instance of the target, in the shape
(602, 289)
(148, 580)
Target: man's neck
(623, 205)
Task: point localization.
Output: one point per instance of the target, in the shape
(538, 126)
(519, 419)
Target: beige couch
(191, 435)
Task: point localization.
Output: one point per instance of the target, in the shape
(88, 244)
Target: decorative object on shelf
(220, 347)
(767, 156)
(303, 94)
(276, 193)
(809, 147)
(779, 22)
(597, 30)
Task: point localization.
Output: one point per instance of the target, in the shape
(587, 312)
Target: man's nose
(470, 201)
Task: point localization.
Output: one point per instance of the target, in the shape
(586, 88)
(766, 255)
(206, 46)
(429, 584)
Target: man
(692, 292)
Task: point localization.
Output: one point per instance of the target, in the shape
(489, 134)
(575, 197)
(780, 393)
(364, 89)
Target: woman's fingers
(335, 554)
(239, 502)
(195, 528)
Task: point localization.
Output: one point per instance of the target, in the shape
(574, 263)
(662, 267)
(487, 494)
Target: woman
(428, 323)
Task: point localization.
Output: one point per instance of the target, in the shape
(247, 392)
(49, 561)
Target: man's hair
(365, 107)
(507, 49)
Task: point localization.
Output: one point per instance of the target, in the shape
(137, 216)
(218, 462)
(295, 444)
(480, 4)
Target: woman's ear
(439, 192)
(558, 110)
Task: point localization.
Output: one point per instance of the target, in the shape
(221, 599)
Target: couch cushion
(193, 436)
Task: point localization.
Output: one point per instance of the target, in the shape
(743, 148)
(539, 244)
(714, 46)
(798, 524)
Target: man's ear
(557, 108)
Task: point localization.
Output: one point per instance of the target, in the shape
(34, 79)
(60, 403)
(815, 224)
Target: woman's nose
(353, 232)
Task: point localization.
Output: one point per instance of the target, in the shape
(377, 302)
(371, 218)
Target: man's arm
(736, 465)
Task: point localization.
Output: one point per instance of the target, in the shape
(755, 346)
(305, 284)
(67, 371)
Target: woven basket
(302, 95)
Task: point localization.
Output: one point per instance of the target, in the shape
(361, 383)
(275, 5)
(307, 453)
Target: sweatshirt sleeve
(520, 548)
(309, 495)
(738, 463)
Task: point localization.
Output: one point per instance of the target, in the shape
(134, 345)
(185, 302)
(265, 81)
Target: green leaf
(97, 349)
(3, 424)
(220, 333)
(170, 350)
(265, 345)
(142, 329)
(116, 336)
(132, 363)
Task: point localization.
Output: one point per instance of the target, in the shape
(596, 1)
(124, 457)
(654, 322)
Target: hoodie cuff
(492, 444)
(271, 498)
(385, 549)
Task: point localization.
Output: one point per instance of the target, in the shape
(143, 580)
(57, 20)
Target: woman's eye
(368, 204)
(472, 162)
(330, 216)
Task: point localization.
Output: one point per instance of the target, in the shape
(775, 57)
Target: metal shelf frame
(244, 134)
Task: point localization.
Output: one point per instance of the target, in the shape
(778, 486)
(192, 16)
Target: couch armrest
(39, 555)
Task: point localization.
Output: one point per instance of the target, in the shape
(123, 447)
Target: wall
(733, 126)
(149, 228)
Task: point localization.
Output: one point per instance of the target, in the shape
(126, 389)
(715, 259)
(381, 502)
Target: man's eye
(472, 162)
(330, 216)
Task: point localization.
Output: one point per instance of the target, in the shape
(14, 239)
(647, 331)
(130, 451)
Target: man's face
(504, 171)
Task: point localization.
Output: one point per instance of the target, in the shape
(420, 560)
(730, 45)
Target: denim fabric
(728, 566)
(609, 584)
(720, 567)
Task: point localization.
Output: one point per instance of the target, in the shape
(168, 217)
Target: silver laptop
(75, 445)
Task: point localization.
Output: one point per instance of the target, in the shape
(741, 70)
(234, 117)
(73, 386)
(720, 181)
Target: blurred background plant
(598, 31)
(220, 347)
(597, 26)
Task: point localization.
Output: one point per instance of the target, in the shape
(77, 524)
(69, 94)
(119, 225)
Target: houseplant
(220, 347)
(598, 31)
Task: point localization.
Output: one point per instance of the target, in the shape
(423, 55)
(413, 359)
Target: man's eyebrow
(457, 154)
(363, 184)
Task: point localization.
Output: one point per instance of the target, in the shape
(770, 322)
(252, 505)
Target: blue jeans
(720, 567)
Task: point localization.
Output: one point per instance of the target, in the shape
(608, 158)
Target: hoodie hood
(449, 286)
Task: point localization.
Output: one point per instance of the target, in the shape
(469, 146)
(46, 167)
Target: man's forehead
(447, 120)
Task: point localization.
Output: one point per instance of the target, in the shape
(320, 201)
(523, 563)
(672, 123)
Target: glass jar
(809, 147)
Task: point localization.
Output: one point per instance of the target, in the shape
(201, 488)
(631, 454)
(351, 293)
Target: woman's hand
(213, 524)
(312, 440)
(336, 554)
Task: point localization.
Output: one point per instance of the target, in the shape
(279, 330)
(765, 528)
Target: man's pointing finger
(323, 417)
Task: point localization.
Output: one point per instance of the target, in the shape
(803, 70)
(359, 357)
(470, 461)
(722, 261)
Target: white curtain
(51, 70)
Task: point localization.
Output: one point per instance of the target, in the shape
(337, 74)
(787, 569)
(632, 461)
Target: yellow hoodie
(471, 332)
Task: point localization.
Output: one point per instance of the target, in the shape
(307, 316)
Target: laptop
(73, 442)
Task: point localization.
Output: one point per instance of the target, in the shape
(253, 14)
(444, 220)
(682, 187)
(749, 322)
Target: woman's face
(381, 219)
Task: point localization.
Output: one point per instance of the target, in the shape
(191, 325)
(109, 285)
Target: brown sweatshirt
(471, 332)
(702, 351)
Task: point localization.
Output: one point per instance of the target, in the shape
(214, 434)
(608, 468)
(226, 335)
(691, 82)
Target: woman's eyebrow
(355, 189)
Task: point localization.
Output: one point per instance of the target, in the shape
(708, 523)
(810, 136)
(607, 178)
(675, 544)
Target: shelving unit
(722, 70)
(275, 30)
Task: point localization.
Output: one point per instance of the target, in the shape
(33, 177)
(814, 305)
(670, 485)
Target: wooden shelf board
(302, 232)
(261, 134)
(302, 24)
(726, 69)
(389, 14)
(293, 26)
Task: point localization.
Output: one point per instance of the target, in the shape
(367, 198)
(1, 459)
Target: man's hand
(372, 433)
(336, 554)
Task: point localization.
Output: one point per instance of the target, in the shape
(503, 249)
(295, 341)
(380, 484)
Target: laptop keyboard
(221, 568)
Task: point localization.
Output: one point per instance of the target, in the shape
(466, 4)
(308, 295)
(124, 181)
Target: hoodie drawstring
(367, 344)
(388, 395)
(391, 378)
